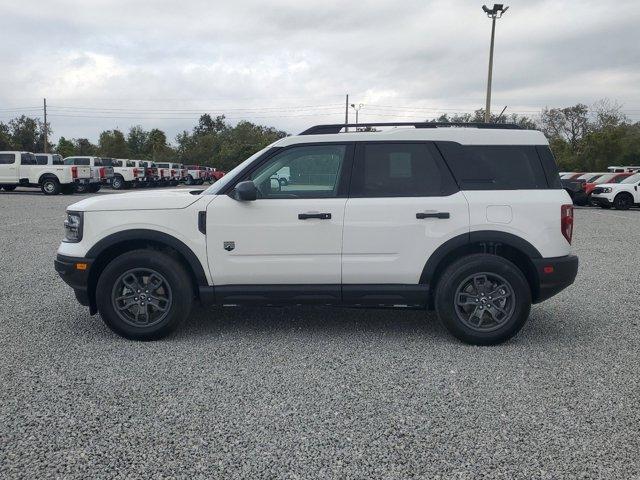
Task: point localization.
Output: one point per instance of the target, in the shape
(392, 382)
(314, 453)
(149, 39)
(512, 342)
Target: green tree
(137, 141)
(84, 147)
(113, 144)
(28, 133)
(65, 147)
(6, 142)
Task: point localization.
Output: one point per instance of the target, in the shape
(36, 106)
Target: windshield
(567, 176)
(632, 179)
(230, 176)
(604, 178)
(589, 177)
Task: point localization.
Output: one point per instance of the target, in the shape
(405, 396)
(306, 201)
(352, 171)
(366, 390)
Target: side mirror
(245, 191)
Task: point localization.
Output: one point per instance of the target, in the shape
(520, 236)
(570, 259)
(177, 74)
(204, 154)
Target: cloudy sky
(106, 64)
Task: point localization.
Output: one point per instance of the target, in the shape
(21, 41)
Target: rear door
(403, 204)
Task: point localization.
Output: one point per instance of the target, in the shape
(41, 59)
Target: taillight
(102, 174)
(566, 221)
(173, 172)
(74, 172)
(135, 172)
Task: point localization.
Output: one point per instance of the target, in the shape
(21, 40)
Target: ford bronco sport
(466, 219)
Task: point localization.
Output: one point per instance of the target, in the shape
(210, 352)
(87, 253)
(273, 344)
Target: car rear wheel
(623, 201)
(144, 295)
(483, 299)
(50, 186)
(117, 183)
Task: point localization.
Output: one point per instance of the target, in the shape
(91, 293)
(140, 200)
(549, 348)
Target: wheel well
(623, 193)
(117, 249)
(46, 176)
(514, 255)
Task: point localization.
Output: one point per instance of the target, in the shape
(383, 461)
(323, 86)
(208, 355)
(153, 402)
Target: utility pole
(496, 12)
(346, 113)
(46, 133)
(357, 109)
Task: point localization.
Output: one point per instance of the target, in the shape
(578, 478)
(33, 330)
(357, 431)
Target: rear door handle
(421, 215)
(321, 216)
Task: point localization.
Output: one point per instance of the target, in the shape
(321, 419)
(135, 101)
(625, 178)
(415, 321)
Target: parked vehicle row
(618, 189)
(88, 174)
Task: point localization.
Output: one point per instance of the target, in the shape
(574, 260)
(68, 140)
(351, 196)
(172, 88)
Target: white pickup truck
(100, 174)
(151, 174)
(46, 171)
(125, 173)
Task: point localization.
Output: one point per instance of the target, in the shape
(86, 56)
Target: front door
(292, 234)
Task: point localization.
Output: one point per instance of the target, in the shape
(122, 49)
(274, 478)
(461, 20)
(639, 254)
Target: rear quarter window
(495, 167)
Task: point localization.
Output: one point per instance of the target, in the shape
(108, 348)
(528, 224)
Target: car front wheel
(483, 299)
(144, 295)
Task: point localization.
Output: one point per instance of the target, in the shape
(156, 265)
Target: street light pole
(494, 13)
(357, 109)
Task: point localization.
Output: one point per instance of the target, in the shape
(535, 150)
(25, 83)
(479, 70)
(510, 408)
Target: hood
(147, 200)
(612, 185)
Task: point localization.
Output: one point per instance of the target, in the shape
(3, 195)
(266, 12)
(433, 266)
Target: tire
(199, 182)
(9, 188)
(94, 188)
(623, 201)
(501, 276)
(67, 189)
(50, 186)
(117, 183)
(176, 294)
(189, 180)
(82, 188)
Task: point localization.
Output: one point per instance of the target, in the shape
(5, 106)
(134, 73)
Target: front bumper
(554, 275)
(77, 277)
(601, 201)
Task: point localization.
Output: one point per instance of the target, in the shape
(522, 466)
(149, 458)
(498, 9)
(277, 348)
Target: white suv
(621, 196)
(466, 219)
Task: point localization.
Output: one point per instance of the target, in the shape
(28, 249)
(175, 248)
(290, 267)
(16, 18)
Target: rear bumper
(77, 279)
(554, 275)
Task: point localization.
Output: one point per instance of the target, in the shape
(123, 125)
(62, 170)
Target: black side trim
(490, 238)
(277, 294)
(155, 236)
(564, 273)
(370, 294)
(202, 222)
(66, 268)
(439, 254)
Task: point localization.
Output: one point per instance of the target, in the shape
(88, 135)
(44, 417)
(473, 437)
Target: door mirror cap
(245, 191)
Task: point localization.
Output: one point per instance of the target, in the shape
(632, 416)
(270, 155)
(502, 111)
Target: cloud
(115, 63)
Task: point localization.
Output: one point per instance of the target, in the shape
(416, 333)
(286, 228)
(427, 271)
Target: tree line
(212, 141)
(582, 138)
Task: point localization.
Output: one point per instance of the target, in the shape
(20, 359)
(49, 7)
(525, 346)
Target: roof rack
(337, 127)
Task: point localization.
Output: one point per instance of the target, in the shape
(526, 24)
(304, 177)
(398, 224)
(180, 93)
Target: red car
(606, 178)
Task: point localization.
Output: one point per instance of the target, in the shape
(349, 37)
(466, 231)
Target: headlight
(73, 227)
(606, 189)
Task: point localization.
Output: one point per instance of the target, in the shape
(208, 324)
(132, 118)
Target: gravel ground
(313, 392)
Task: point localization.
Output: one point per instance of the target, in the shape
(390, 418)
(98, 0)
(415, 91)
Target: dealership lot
(318, 392)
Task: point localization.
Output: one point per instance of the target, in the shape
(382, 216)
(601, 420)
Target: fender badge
(228, 246)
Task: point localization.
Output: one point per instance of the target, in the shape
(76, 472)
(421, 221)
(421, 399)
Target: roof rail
(337, 127)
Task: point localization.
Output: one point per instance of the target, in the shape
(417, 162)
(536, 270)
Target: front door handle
(421, 215)
(321, 216)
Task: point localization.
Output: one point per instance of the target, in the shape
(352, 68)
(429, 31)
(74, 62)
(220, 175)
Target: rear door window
(7, 158)
(41, 159)
(387, 169)
(495, 167)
